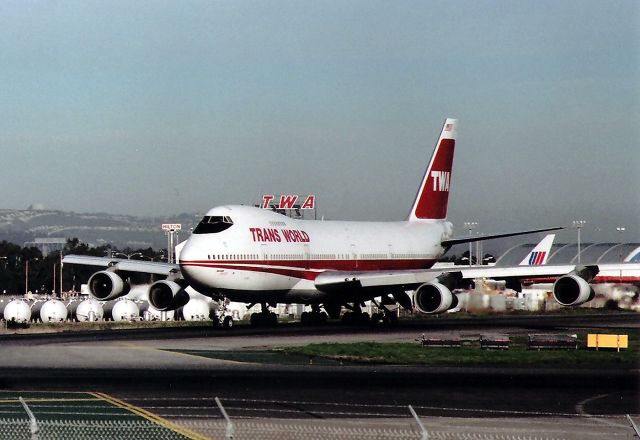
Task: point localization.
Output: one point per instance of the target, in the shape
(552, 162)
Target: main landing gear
(265, 318)
(355, 315)
(384, 316)
(314, 317)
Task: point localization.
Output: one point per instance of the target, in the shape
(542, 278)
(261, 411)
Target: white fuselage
(264, 254)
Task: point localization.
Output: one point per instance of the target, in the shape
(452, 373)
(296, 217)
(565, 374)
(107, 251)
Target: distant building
(47, 245)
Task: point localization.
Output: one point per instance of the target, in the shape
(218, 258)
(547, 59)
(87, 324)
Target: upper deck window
(211, 224)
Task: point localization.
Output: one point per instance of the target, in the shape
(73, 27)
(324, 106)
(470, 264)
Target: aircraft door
(307, 255)
(354, 256)
(264, 252)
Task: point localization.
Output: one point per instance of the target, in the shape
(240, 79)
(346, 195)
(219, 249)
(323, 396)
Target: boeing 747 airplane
(258, 256)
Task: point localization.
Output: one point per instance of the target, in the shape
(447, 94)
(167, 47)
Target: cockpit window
(211, 224)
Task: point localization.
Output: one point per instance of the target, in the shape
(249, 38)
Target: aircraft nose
(190, 252)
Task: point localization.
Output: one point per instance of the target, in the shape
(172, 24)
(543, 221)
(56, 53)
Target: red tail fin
(433, 195)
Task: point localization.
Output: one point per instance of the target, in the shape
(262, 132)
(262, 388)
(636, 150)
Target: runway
(146, 370)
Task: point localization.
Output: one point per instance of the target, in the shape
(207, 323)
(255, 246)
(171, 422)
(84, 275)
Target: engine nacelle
(434, 297)
(106, 285)
(572, 290)
(167, 295)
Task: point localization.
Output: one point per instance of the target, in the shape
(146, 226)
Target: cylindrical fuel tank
(36, 306)
(121, 310)
(195, 310)
(53, 310)
(3, 304)
(88, 310)
(17, 310)
(149, 313)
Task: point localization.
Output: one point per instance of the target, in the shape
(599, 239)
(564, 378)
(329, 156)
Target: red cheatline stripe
(311, 266)
(289, 272)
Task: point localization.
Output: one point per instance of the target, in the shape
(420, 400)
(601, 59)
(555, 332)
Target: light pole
(621, 230)
(579, 224)
(26, 275)
(470, 226)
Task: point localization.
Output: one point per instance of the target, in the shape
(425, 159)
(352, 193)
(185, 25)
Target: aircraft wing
(331, 281)
(470, 239)
(153, 267)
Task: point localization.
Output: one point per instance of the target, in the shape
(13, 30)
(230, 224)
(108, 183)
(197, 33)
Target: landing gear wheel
(313, 318)
(376, 318)
(390, 319)
(264, 319)
(227, 323)
(356, 318)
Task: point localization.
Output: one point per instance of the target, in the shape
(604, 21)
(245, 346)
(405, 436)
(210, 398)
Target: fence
(58, 423)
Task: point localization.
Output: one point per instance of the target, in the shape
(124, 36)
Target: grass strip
(470, 354)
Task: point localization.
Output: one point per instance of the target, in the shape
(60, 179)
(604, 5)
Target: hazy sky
(152, 107)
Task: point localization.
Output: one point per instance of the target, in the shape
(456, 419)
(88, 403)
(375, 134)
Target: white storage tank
(89, 310)
(498, 303)
(53, 310)
(36, 306)
(195, 310)
(3, 304)
(149, 313)
(478, 301)
(214, 308)
(17, 310)
(121, 310)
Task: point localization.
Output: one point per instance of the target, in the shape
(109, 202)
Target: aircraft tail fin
(539, 254)
(433, 195)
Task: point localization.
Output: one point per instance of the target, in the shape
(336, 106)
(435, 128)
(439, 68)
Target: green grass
(470, 354)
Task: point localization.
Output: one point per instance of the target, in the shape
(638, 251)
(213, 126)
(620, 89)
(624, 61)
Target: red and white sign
(171, 226)
(288, 201)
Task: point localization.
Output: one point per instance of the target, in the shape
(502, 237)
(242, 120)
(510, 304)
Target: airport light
(579, 224)
(621, 230)
(470, 226)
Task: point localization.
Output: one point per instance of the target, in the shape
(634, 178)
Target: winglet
(433, 196)
(539, 254)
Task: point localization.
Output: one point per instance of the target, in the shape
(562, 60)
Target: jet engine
(434, 297)
(573, 289)
(106, 285)
(167, 295)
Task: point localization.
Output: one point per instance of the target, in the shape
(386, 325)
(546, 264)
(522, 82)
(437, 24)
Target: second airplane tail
(539, 254)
